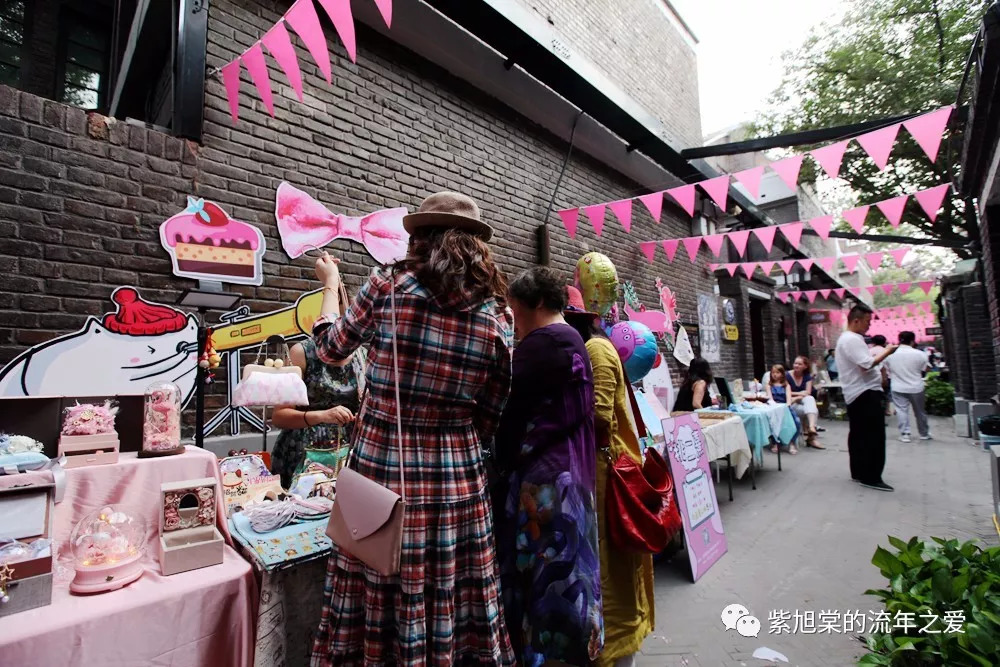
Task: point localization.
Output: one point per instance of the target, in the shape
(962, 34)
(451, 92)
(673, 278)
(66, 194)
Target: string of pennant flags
(927, 130)
(828, 264)
(895, 312)
(302, 18)
(842, 292)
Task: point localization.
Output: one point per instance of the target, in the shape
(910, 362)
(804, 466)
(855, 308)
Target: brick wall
(979, 340)
(990, 235)
(81, 198)
(638, 46)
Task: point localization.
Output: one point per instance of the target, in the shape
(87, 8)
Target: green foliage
(939, 396)
(934, 579)
(884, 58)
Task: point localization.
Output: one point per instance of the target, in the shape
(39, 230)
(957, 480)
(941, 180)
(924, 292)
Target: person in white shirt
(861, 381)
(906, 368)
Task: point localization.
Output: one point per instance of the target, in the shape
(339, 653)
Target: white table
(727, 439)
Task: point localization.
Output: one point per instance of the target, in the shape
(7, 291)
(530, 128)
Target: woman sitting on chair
(800, 382)
(779, 392)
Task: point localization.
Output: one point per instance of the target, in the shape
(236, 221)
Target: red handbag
(642, 512)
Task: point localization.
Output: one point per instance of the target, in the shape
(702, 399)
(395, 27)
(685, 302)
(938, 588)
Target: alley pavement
(803, 542)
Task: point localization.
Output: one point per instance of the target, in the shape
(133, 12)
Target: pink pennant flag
(872, 289)
(926, 305)
(839, 292)
(782, 296)
(878, 144)
(821, 226)
(930, 199)
(926, 286)
(684, 196)
(718, 189)
(649, 250)
(731, 268)
(806, 264)
(279, 44)
(830, 157)
(795, 295)
(856, 216)
(748, 268)
(766, 236)
(231, 77)
(691, 244)
(739, 240)
(793, 232)
(670, 247)
(339, 12)
(788, 170)
(899, 254)
(810, 295)
(623, 211)
(385, 8)
(874, 259)
(786, 265)
(856, 291)
(850, 262)
(253, 58)
(766, 267)
(826, 263)
(887, 288)
(595, 214)
(714, 243)
(892, 209)
(750, 179)
(904, 287)
(654, 203)
(569, 219)
(927, 130)
(712, 268)
(305, 21)
(825, 293)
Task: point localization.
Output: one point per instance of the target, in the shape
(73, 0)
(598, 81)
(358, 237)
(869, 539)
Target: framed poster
(685, 449)
(708, 327)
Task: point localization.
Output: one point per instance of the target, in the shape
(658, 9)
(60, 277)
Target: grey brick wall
(81, 197)
(990, 235)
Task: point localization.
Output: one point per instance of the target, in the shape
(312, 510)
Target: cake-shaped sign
(204, 243)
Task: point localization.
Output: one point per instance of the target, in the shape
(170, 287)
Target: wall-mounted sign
(708, 321)
(730, 332)
(819, 316)
(728, 311)
(933, 331)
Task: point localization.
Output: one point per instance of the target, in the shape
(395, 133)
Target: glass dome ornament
(108, 546)
(161, 425)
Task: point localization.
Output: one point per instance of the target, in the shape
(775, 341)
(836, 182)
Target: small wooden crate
(28, 583)
(89, 450)
(189, 537)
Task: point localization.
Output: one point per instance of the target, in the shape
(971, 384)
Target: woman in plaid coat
(454, 340)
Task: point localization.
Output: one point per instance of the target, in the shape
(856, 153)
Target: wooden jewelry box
(26, 509)
(189, 537)
(89, 450)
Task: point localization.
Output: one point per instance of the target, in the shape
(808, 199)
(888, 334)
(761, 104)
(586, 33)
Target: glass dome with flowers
(108, 545)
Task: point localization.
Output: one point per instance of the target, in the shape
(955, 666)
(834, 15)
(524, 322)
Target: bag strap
(395, 379)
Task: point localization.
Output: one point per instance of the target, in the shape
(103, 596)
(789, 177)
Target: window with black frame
(11, 40)
(84, 46)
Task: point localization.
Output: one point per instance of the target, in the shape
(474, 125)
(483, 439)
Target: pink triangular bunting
(850, 262)
(839, 292)
(670, 248)
(623, 211)
(714, 242)
(340, 15)
(782, 296)
(856, 216)
(305, 21)
(810, 295)
(887, 288)
(825, 293)
(731, 268)
(684, 196)
(930, 200)
(856, 291)
(793, 232)
(786, 265)
(654, 203)
(595, 214)
(766, 267)
(750, 179)
(570, 217)
(892, 209)
(718, 189)
(231, 78)
(928, 129)
(926, 286)
(766, 236)
(821, 226)
(788, 170)
(874, 259)
(878, 144)
(739, 240)
(796, 295)
(649, 250)
(826, 263)
(806, 264)
(691, 244)
(904, 287)
(748, 268)
(385, 8)
(872, 289)
(279, 44)
(712, 268)
(899, 255)
(253, 58)
(830, 157)
(926, 305)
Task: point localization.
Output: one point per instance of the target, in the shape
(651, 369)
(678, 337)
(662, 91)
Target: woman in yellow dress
(626, 577)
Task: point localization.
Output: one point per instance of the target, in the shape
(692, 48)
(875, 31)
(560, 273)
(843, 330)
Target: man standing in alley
(861, 381)
(907, 368)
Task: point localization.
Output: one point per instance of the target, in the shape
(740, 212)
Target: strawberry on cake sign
(204, 243)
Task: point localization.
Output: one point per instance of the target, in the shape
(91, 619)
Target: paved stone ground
(804, 541)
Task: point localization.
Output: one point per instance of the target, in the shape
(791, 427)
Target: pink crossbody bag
(366, 520)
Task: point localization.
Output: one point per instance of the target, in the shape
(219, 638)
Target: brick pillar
(990, 235)
(979, 341)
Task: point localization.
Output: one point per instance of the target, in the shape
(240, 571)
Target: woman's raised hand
(327, 270)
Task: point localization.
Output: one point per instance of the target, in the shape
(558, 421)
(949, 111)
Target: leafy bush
(939, 396)
(930, 580)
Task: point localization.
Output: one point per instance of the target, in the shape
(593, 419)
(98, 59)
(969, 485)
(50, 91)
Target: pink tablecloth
(201, 617)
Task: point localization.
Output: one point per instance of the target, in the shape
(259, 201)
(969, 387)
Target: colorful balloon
(636, 346)
(597, 280)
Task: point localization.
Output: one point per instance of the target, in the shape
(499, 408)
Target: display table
(762, 422)
(727, 439)
(201, 617)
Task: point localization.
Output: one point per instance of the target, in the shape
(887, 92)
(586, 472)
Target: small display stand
(189, 538)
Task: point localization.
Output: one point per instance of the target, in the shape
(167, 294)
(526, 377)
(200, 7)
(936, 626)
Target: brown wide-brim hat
(448, 209)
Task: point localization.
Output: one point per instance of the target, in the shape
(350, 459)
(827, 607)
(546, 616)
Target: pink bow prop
(304, 224)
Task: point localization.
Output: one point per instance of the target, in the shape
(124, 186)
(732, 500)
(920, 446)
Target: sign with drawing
(708, 327)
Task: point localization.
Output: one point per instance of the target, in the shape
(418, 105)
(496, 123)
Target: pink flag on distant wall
(340, 15)
(731, 268)
(926, 305)
(654, 203)
(570, 217)
(596, 215)
(810, 295)
(279, 44)
(739, 240)
(830, 157)
(826, 263)
(928, 129)
(750, 179)
(887, 288)
(926, 286)
(872, 289)
(231, 77)
(714, 243)
(649, 250)
(795, 295)
(806, 264)
(691, 244)
(892, 209)
(670, 248)
(766, 236)
(821, 226)
(748, 268)
(856, 216)
(623, 211)
(385, 8)
(874, 259)
(904, 287)
(899, 254)
(825, 293)
(930, 200)
(718, 189)
(782, 296)
(766, 267)
(786, 265)
(793, 232)
(305, 21)
(788, 170)
(850, 262)
(856, 291)
(684, 196)
(253, 58)
(840, 291)
(878, 144)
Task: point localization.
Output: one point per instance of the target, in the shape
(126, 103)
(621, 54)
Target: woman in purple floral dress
(547, 531)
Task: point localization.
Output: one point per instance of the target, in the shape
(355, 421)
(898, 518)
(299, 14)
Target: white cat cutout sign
(121, 353)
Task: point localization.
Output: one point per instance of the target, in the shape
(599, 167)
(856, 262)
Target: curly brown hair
(451, 261)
